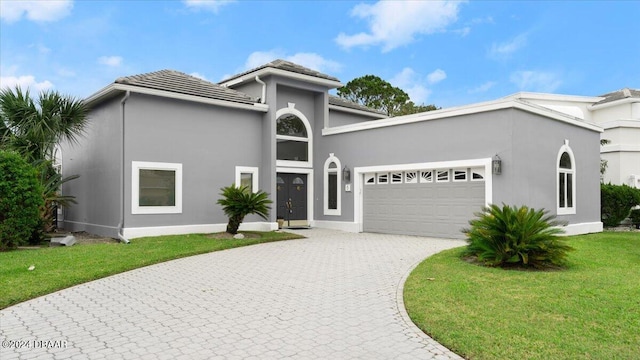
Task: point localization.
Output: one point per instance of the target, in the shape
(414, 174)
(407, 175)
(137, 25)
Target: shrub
(20, 199)
(635, 218)
(238, 202)
(616, 202)
(516, 237)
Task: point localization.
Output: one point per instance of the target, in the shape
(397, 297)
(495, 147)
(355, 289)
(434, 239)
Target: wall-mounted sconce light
(496, 165)
(346, 174)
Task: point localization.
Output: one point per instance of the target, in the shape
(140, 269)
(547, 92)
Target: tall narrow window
(332, 184)
(566, 181)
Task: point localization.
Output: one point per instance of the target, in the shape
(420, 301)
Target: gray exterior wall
(209, 142)
(528, 145)
(340, 118)
(96, 158)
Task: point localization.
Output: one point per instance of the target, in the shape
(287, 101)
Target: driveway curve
(333, 295)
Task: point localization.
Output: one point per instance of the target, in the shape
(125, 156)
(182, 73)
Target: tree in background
(371, 91)
(33, 129)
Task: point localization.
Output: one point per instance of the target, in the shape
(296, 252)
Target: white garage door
(435, 202)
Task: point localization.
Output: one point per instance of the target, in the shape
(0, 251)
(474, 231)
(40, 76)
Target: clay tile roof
(178, 82)
(287, 66)
(338, 101)
(619, 95)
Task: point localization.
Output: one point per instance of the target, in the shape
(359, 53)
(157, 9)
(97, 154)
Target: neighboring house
(161, 145)
(618, 113)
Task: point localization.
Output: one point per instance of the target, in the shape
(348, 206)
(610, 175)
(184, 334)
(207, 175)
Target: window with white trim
(426, 176)
(292, 138)
(411, 177)
(383, 178)
(247, 176)
(369, 179)
(156, 188)
(442, 175)
(566, 177)
(396, 178)
(477, 174)
(332, 185)
(459, 175)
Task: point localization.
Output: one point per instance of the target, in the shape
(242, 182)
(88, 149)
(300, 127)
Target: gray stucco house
(161, 145)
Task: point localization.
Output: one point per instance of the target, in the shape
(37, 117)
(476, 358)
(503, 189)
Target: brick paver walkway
(333, 295)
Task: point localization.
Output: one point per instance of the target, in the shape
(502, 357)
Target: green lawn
(61, 267)
(591, 310)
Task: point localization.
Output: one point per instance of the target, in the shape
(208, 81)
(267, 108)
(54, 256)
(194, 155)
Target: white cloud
(538, 81)
(25, 82)
(310, 60)
(40, 11)
(463, 31)
(396, 23)
(112, 61)
(409, 81)
(436, 76)
(208, 5)
(198, 75)
(505, 49)
(482, 88)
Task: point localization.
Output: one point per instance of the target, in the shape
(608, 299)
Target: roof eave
(113, 89)
(290, 74)
(504, 103)
(554, 97)
(628, 100)
(358, 112)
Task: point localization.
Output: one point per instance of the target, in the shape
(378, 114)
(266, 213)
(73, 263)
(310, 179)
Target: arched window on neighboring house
(332, 184)
(566, 186)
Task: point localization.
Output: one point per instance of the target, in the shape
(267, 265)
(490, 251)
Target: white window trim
(416, 174)
(453, 175)
(309, 139)
(248, 170)
(566, 210)
(136, 166)
(479, 171)
(423, 180)
(338, 172)
(437, 172)
(396, 181)
(386, 175)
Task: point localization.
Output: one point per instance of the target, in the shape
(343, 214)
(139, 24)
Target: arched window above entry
(566, 181)
(293, 138)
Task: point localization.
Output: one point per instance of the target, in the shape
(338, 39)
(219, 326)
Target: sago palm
(238, 202)
(516, 236)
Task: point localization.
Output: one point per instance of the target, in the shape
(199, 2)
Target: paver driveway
(333, 295)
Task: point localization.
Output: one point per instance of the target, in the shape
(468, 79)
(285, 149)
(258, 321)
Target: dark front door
(292, 196)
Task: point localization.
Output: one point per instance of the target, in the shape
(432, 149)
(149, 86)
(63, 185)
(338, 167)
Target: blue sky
(445, 53)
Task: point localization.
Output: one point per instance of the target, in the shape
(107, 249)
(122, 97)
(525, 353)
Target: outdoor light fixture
(496, 165)
(346, 174)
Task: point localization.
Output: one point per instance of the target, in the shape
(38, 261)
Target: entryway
(292, 199)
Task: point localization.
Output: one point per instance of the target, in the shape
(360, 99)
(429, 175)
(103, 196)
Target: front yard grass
(590, 310)
(57, 268)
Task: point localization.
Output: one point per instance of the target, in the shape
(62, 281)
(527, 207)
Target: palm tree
(238, 202)
(33, 129)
